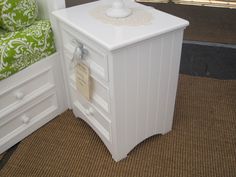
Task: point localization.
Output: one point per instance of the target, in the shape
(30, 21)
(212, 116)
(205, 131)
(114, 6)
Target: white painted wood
(24, 130)
(92, 111)
(33, 96)
(100, 94)
(172, 80)
(154, 86)
(13, 96)
(46, 7)
(144, 89)
(113, 37)
(14, 120)
(11, 126)
(142, 67)
(12, 109)
(96, 59)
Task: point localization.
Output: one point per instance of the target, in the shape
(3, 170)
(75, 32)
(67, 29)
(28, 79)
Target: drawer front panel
(99, 94)
(25, 89)
(94, 115)
(96, 59)
(22, 118)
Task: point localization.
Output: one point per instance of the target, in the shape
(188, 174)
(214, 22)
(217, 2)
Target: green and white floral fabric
(22, 48)
(1, 5)
(2, 32)
(17, 14)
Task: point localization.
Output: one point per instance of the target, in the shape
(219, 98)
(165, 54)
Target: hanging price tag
(83, 79)
(81, 70)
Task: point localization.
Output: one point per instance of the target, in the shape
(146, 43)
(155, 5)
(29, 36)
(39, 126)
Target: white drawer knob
(25, 119)
(19, 95)
(89, 111)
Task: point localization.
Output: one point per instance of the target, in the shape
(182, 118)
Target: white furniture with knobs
(32, 97)
(134, 73)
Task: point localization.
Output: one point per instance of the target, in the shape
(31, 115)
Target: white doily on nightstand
(137, 18)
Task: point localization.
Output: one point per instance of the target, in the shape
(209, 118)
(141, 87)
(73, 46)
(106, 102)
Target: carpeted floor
(201, 144)
(4, 157)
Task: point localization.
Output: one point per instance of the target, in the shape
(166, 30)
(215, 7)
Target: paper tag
(83, 79)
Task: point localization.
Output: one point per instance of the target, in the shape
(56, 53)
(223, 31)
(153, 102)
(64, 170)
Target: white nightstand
(134, 72)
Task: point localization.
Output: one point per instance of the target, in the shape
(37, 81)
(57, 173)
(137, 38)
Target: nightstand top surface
(112, 36)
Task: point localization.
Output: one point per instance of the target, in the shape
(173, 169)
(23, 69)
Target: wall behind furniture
(70, 3)
(208, 24)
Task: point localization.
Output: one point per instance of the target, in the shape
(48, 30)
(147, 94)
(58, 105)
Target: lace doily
(137, 18)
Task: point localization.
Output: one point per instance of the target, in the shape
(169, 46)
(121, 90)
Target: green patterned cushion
(1, 5)
(22, 48)
(17, 14)
(2, 32)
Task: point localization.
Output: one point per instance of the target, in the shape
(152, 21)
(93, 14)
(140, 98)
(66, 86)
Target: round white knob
(89, 111)
(25, 119)
(19, 95)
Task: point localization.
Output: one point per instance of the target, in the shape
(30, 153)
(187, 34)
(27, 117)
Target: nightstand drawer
(24, 117)
(99, 121)
(22, 92)
(96, 59)
(99, 95)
